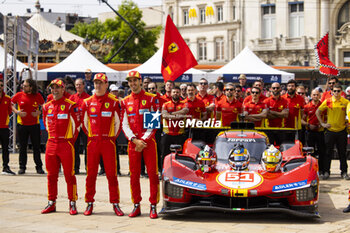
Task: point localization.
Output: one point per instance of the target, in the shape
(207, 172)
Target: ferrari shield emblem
(144, 102)
(50, 111)
(63, 107)
(172, 48)
(107, 105)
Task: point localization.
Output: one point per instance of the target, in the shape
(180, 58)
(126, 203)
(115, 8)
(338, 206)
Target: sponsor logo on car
(290, 186)
(189, 184)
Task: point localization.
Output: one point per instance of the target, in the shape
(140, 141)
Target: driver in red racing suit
(141, 142)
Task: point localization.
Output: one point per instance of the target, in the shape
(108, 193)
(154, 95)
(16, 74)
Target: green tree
(140, 48)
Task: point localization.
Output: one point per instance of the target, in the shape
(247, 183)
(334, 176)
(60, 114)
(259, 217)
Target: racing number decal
(239, 180)
(243, 177)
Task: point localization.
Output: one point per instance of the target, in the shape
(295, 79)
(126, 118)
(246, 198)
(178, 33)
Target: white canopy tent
(246, 62)
(152, 69)
(76, 64)
(19, 65)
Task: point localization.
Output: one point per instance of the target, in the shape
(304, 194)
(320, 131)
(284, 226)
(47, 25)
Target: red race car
(239, 172)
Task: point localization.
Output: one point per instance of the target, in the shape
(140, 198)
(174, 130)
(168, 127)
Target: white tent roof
(50, 31)
(76, 64)
(153, 67)
(246, 62)
(19, 65)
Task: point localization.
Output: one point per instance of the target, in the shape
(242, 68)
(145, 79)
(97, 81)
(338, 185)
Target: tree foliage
(140, 48)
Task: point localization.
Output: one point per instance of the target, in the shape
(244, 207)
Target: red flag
(326, 67)
(177, 57)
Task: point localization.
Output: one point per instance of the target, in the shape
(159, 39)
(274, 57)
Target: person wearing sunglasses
(277, 114)
(330, 84)
(206, 98)
(255, 110)
(295, 105)
(259, 84)
(229, 108)
(335, 130)
(183, 88)
(314, 131)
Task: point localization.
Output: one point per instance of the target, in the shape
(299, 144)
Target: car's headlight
(307, 194)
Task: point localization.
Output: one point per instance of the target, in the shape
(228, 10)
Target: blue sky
(82, 7)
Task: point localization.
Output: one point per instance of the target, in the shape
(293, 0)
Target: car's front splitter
(238, 210)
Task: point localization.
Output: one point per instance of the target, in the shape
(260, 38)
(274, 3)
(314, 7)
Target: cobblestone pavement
(23, 197)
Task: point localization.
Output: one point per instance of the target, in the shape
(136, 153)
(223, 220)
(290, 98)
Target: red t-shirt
(276, 105)
(5, 109)
(295, 106)
(79, 100)
(196, 108)
(255, 108)
(166, 98)
(207, 100)
(328, 94)
(229, 111)
(173, 127)
(310, 114)
(28, 103)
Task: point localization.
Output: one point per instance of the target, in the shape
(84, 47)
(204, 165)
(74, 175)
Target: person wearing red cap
(61, 122)
(101, 123)
(28, 103)
(141, 142)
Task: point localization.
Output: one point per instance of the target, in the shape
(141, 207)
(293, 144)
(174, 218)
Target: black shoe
(119, 173)
(21, 171)
(7, 171)
(325, 176)
(77, 172)
(347, 209)
(144, 175)
(40, 171)
(345, 176)
(102, 173)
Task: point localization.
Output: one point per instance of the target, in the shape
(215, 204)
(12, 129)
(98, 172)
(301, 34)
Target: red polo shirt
(229, 110)
(166, 98)
(28, 103)
(295, 106)
(172, 127)
(207, 100)
(255, 108)
(310, 114)
(79, 100)
(249, 98)
(196, 108)
(276, 105)
(5, 109)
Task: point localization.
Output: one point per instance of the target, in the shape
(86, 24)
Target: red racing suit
(101, 123)
(61, 122)
(133, 108)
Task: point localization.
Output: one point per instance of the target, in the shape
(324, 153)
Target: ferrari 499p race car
(236, 171)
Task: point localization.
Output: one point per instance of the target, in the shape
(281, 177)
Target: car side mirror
(175, 148)
(308, 149)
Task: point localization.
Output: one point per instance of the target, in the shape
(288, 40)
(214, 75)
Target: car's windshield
(255, 146)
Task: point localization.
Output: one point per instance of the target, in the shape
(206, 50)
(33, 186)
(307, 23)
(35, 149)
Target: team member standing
(255, 110)
(229, 108)
(28, 103)
(141, 142)
(296, 109)
(5, 108)
(78, 98)
(335, 130)
(314, 131)
(172, 112)
(278, 111)
(101, 123)
(330, 84)
(61, 121)
(196, 107)
(206, 98)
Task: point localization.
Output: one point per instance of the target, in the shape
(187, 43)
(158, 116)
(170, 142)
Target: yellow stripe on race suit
(112, 128)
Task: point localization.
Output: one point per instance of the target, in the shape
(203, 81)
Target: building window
(202, 50)
(219, 49)
(202, 15)
(347, 59)
(268, 21)
(220, 13)
(344, 15)
(185, 17)
(234, 12)
(296, 19)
